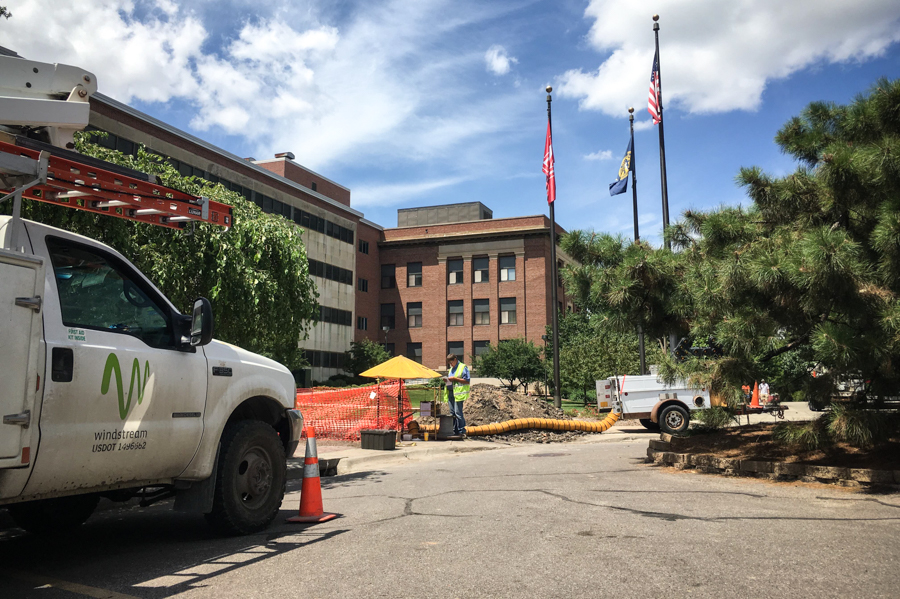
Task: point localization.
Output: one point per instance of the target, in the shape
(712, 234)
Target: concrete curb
(659, 452)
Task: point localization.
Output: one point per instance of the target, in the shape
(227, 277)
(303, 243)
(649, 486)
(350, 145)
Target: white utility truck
(650, 400)
(106, 389)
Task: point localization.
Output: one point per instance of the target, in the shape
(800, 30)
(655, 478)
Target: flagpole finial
(549, 89)
(655, 22)
(655, 18)
(630, 109)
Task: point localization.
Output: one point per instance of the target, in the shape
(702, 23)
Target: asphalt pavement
(536, 521)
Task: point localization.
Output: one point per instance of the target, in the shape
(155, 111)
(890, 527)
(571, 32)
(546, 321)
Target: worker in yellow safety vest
(456, 391)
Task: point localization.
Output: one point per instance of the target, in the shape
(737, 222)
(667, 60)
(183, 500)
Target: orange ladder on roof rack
(89, 187)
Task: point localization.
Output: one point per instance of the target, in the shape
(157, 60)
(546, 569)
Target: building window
(455, 313)
(559, 271)
(314, 186)
(414, 315)
(389, 348)
(480, 270)
(454, 272)
(335, 316)
(414, 274)
(363, 246)
(362, 284)
(482, 311)
(481, 348)
(414, 352)
(362, 323)
(387, 316)
(388, 280)
(330, 272)
(324, 359)
(507, 268)
(507, 310)
(456, 348)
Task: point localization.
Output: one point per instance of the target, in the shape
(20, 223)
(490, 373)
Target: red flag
(548, 167)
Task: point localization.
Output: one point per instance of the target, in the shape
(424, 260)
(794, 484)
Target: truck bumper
(295, 426)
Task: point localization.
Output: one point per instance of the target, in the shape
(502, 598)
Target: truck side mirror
(201, 322)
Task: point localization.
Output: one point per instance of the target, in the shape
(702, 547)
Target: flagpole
(662, 158)
(662, 137)
(557, 400)
(637, 234)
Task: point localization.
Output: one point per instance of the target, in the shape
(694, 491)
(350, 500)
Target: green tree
(364, 355)
(813, 265)
(591, 350)
(516, 362)
(4, 12)
(256, 275)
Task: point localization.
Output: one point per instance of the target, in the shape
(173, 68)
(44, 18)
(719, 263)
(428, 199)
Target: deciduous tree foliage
(812, 265)
(516, 362)
(256, 275)
(591, 350)
(364, 355)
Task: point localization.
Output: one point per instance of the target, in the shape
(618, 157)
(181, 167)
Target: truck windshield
(96, 292)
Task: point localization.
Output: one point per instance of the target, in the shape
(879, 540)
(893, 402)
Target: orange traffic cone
(754, 402)
(311, 489)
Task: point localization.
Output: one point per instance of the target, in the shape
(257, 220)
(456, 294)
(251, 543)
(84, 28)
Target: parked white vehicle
(648, 399)
(106, 389)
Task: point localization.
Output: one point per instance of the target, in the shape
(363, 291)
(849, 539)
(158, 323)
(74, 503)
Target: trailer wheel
(649, 424)
(54, 515)
(674, 420)
(250, 479)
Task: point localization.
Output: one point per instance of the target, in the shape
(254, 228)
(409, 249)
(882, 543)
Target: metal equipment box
(378, 439)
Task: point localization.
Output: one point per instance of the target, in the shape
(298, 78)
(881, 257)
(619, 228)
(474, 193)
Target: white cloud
(718, 56)
(498, 61)
(282, 77)
(599, 155)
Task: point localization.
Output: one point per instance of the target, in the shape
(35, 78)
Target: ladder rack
(64, 178)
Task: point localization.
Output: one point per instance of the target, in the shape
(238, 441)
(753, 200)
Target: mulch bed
(754, 442)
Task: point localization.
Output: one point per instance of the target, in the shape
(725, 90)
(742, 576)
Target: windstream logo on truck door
(137, 385)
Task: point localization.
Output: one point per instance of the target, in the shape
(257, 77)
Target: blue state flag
(621, 184)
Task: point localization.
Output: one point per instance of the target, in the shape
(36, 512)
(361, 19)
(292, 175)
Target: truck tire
(674, 420)
(250, 479)
(649, 424)
(54, 515)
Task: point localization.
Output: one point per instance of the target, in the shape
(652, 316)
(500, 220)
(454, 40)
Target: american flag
(548, 167)
(654, 102)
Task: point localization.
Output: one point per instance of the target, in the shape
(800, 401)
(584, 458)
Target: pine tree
(813, 265)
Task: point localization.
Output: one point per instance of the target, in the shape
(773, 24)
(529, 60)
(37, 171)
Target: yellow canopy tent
(400, 368)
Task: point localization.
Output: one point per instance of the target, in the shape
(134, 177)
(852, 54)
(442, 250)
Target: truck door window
(98, 292)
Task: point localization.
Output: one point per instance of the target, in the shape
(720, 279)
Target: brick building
(448, 284)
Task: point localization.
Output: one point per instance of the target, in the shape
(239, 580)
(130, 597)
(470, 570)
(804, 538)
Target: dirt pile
(488, 405)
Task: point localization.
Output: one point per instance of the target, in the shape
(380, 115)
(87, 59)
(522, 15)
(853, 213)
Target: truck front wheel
(54, 515)
(674, 420)
(250, 478)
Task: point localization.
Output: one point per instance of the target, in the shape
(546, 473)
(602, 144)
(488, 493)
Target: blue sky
(422, 102)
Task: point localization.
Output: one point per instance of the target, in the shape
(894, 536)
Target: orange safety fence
(342, 413)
